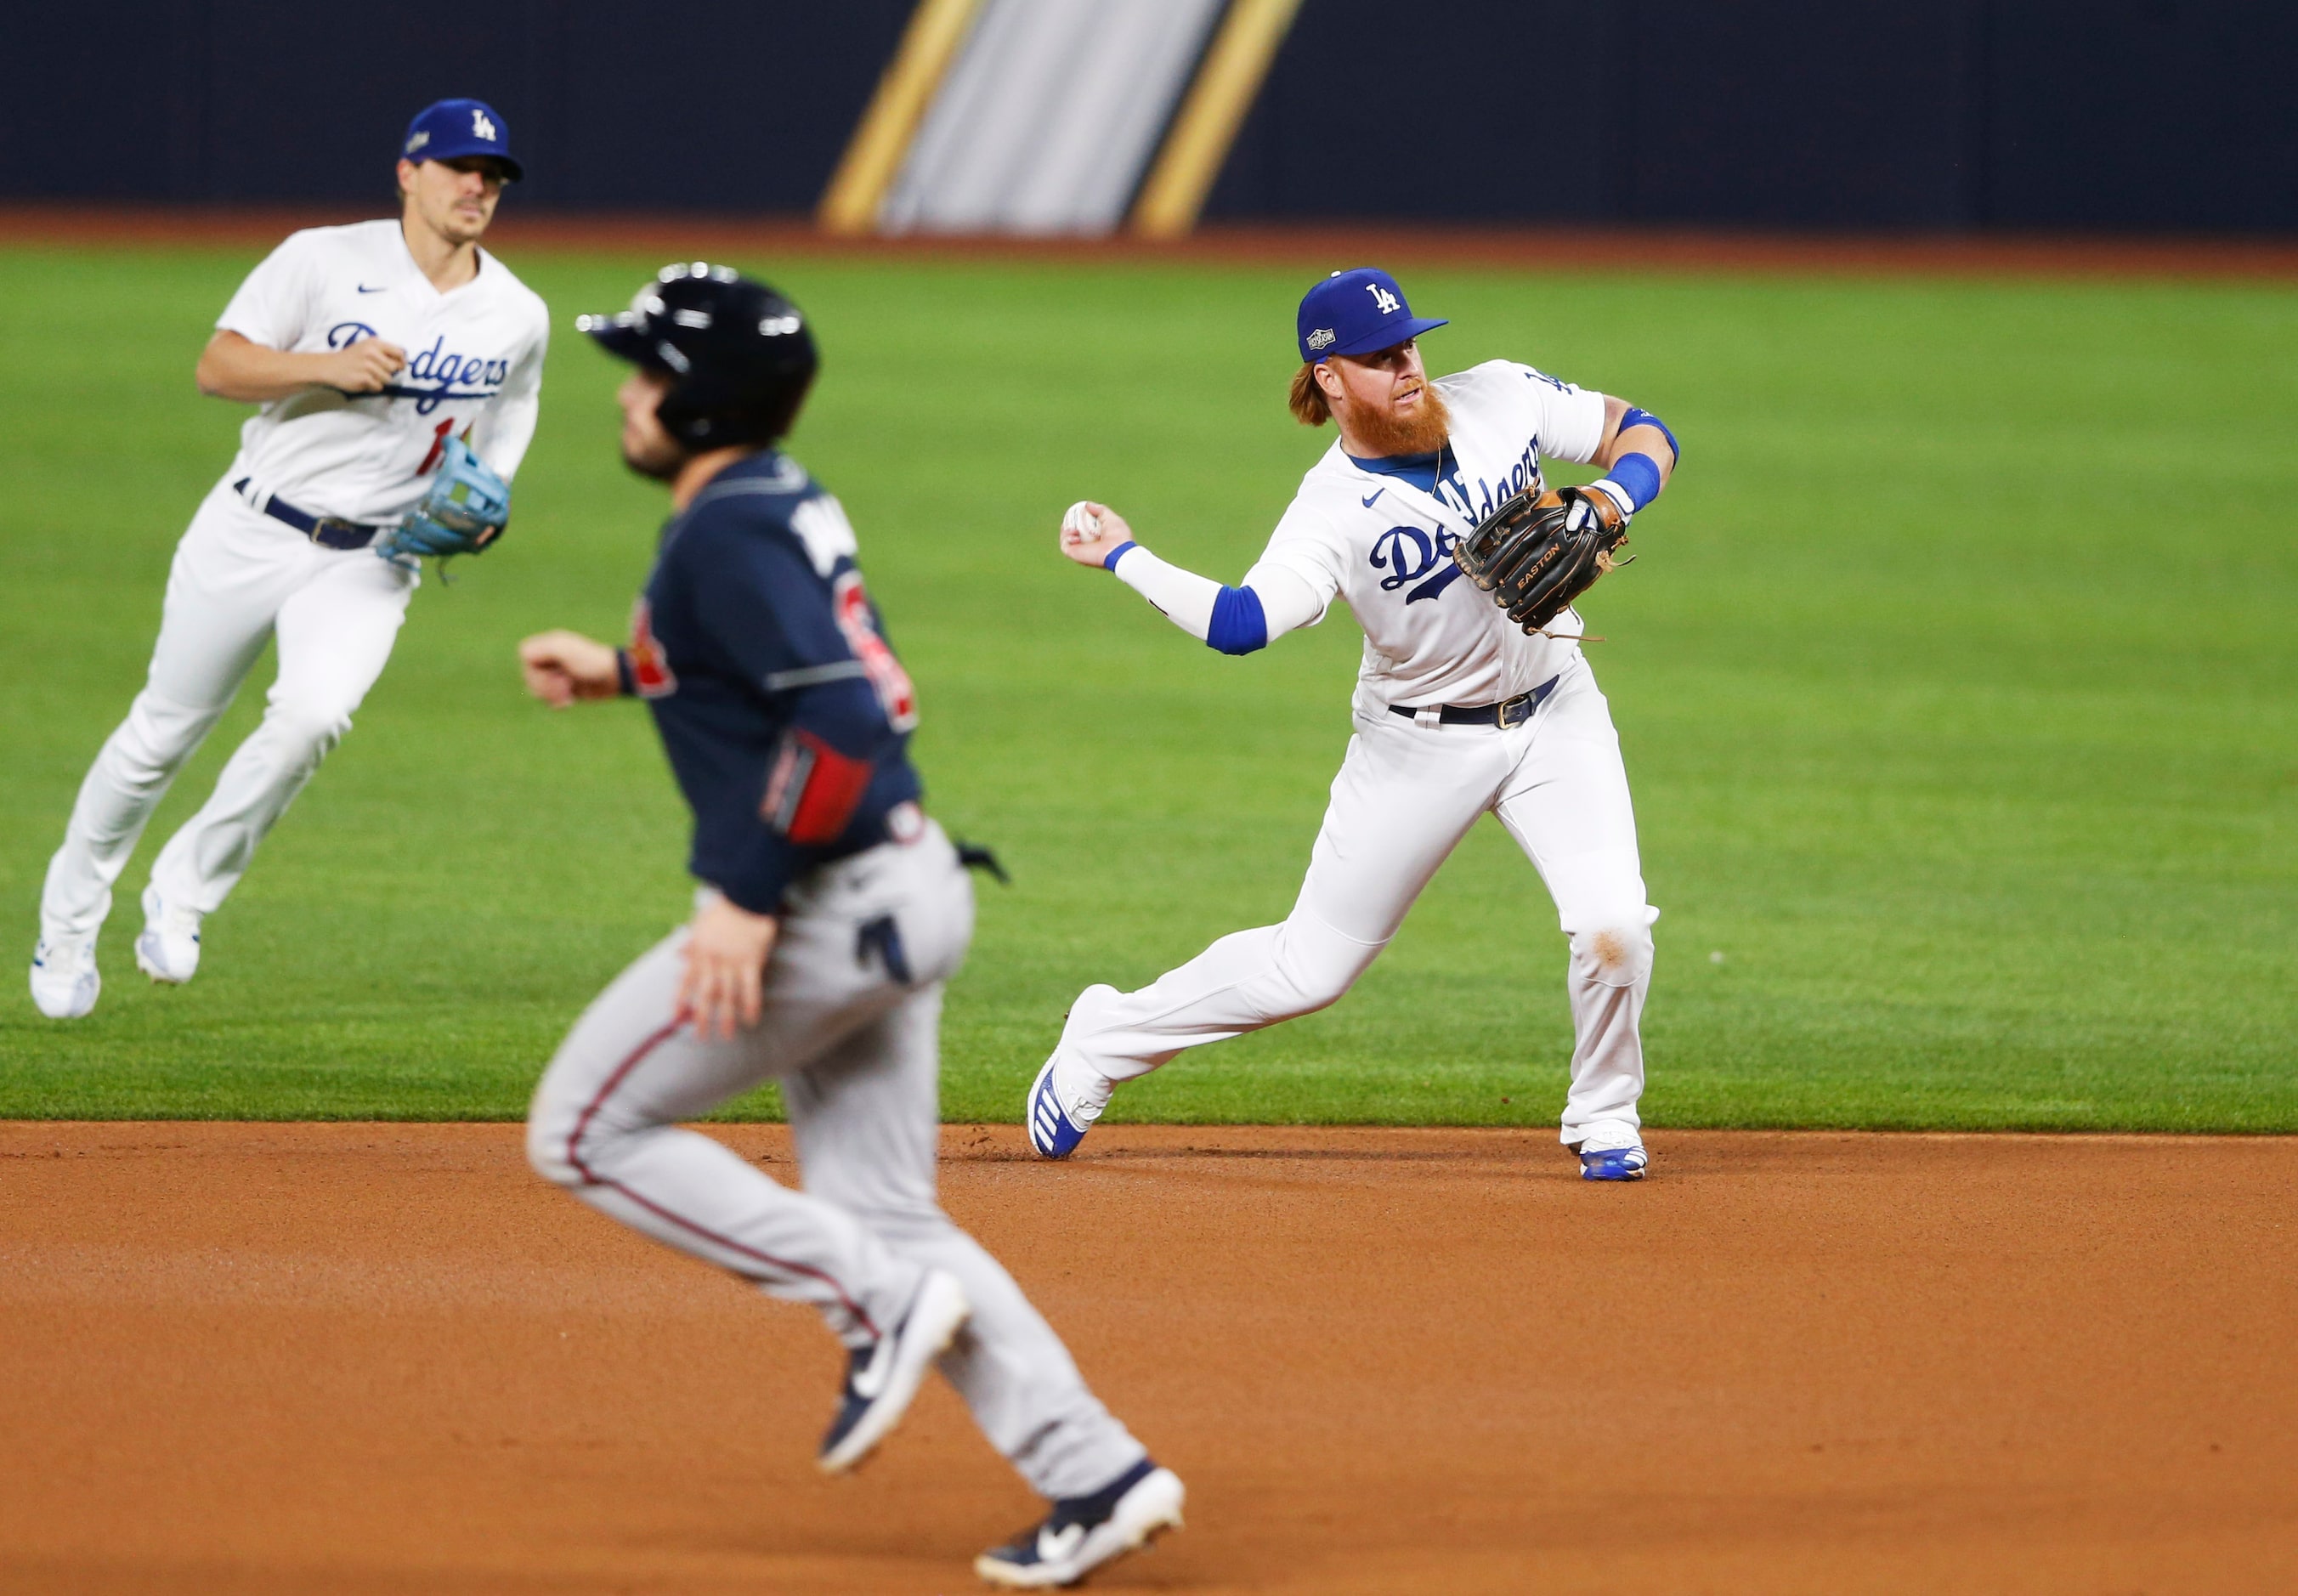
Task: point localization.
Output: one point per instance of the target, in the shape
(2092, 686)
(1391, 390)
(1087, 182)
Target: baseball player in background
(1457, 712)
(831, 913)
(398, 368)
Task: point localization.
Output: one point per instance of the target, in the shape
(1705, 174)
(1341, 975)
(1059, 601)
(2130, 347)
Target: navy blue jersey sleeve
(769, 620)
(763, 610)
(821, 773)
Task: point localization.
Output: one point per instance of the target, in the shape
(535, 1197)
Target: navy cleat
(1084, 1532)
(1612, 1164)
(882, 1378)
(1052, 1131)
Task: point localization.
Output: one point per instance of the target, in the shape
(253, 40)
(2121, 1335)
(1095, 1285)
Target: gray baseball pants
(855, 1045)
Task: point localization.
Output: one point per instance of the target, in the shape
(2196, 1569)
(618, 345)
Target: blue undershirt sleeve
(1638, 415)
(1239, 626)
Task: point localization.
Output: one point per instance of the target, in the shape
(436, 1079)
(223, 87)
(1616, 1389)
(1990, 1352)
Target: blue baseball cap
(454, 128)
(1356, 312)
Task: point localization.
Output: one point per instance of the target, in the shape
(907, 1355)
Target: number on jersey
(851, 605)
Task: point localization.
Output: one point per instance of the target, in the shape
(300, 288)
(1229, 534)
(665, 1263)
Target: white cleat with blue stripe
(1611, 1151)
(64, 980)
(168, 949)
(1052, 1131)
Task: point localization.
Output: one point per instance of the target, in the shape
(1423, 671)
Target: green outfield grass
(1957, 681)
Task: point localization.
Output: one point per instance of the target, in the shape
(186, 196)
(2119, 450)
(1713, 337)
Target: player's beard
(1423, 432)
(659, 457)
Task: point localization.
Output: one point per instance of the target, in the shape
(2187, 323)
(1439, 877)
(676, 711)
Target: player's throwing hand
(563, 667)
(1091, 533)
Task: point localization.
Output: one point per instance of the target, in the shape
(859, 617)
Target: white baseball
(1080, 525)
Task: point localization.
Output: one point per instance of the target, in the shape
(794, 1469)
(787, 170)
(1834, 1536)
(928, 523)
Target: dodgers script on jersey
(1386, 545)
(474, 360)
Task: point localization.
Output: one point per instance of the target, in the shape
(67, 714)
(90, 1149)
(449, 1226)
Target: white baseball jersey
(1431, 637)
(474, 360)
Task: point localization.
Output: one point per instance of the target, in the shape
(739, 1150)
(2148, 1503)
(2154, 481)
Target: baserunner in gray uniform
(831, 912)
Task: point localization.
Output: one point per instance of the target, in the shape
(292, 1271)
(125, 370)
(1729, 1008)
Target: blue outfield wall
(2118, 115)
(733, 107)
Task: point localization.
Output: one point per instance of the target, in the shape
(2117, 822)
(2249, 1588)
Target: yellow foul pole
(849, 205)
(1209, 117)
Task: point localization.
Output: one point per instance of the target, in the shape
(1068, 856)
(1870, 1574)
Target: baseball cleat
(168, 949)
(1612, 1164)
(64, 980)
(1611, 1150)
(1052, 1132)
(881, 1378)
(1084, 1532)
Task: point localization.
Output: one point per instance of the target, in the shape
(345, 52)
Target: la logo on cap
(1388, 302)
(480, 126)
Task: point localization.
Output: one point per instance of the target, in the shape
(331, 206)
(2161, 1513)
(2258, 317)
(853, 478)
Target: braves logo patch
(650, 671)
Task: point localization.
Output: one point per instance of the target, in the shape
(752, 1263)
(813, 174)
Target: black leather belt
(1507, 712)
(330, 532)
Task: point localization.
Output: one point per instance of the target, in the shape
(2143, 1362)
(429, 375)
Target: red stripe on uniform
(728, 1242)
(582, 1120)
(590, 1178)
(815, 789)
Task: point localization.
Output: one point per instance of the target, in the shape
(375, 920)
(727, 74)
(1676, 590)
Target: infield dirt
(363, 1358)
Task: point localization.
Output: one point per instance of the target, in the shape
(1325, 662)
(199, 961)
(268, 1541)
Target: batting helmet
(739, 354)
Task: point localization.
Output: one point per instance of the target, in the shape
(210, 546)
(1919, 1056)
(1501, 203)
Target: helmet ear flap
(686, 424)
(698, 417)
(699, 426)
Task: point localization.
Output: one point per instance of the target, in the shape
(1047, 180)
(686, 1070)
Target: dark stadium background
(2120, 116)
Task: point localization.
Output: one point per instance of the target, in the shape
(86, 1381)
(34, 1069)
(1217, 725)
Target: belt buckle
(327, 526)
(1514, 712)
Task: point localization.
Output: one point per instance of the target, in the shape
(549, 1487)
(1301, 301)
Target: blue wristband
(1639, 474)
(1109, 561)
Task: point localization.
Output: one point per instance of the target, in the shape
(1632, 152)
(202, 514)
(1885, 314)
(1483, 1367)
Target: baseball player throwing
(831, 913)
(399, 369)
(1457, 711)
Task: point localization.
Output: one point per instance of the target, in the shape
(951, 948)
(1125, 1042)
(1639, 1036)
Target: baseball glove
(1534, 556)
(464, 513)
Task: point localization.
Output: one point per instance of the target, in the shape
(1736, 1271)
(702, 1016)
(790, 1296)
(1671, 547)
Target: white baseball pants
(237, 579)
(857, 1054)
(1405, 795)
